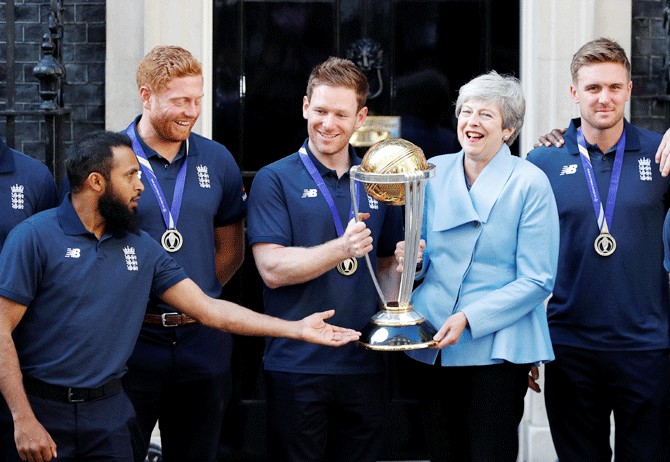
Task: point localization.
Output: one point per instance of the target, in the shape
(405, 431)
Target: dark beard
(117, 215)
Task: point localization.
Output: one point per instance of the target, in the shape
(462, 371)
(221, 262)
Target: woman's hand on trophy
(400, 255)
(356, 239)
(451, 330)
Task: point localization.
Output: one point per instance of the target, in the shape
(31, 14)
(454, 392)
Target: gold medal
(348, 266)
(172, 240)
(605, 244)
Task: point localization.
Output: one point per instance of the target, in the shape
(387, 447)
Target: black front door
(264, 50)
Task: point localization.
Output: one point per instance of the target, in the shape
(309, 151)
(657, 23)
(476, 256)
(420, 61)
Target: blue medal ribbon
(604, 217)
(314, 173)
(170, 216)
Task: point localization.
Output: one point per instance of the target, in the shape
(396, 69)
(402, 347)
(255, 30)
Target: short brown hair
(601, 50)
(338, 72)
(163, 64)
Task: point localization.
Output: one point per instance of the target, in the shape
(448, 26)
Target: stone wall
(84, 60)
(649, 54)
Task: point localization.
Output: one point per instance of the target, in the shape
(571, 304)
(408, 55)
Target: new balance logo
(308, 193)
(72, 253)
(569, 169)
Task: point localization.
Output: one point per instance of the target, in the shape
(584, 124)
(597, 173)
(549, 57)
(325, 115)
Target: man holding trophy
(323, 403)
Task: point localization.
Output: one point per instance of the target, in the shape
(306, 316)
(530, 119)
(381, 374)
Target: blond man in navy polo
(179, 373)
(74, 283)
(26, 187)
(322, 404)
(609, 312)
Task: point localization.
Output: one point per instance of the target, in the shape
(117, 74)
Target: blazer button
(475, 224)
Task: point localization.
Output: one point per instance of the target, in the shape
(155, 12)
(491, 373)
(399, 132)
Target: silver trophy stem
(352, 190)
(413, 213)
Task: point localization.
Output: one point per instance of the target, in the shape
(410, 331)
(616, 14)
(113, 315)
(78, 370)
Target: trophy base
(385, 333)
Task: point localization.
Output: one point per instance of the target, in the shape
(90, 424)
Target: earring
(506, 138)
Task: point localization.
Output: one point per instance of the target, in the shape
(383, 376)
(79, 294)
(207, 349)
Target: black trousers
(324, 417)
(470, 413)
(91, 431)
(583, 387)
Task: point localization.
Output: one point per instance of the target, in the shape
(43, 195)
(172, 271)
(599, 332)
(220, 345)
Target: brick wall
(648, 57)
(83, 52)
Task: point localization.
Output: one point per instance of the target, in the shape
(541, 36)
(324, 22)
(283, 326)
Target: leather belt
(69, 395)
(169, 319)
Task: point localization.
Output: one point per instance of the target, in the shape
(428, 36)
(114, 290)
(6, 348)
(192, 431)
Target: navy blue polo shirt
(214, 196)
(287, 208)
(26, 187)
(618, 302)
(85, 298)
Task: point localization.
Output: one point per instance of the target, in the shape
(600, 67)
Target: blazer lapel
(491, 181)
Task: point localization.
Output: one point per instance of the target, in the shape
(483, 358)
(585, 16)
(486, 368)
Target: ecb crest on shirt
(644, 164)
(131, 258)
(18, 199)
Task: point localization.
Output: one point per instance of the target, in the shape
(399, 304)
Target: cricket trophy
(394, 171)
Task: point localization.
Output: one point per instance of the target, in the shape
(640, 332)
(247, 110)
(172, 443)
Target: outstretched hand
(315, 330)
(663, 154)
(555, 137)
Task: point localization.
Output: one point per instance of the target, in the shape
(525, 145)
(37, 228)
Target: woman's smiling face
(480, 129)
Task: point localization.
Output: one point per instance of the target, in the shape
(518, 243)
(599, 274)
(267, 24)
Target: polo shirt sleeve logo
(131, 258)
(72, 253)
(18, 199)
(644, 164)
(203, 176)
(308, 193)
(569, 169)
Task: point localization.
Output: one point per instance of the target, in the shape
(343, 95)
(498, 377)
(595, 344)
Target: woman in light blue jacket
(490, 226)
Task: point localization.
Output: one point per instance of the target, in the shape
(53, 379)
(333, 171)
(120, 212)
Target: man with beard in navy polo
(74, 284)
(179, 374)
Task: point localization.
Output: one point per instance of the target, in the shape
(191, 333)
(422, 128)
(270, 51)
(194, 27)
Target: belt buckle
(70, 399)
(164, 320)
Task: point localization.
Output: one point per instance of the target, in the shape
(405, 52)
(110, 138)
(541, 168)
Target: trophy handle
(352, 190)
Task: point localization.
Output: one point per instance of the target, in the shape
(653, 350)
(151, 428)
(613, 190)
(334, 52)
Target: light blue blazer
(491, 253)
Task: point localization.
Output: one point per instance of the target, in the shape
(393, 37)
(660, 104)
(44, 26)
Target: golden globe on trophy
(394, 172)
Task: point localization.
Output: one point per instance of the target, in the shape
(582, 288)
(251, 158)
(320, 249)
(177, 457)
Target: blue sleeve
(233, 206)
(47, 195)
(269, 220)
(21, 266)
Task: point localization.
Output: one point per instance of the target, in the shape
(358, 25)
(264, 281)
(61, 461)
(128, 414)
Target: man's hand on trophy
(356, 238)
(400, 255)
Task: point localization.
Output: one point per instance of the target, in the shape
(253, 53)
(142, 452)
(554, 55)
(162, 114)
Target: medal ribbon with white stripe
(347, 267)
(170, 215)
(604, 217)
